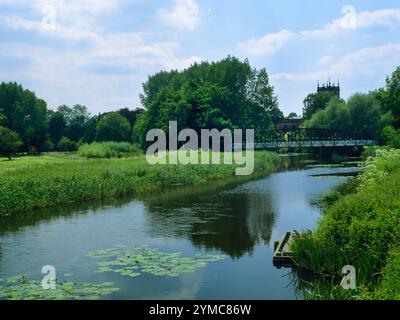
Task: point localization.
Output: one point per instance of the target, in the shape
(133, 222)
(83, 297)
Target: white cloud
(185, 14)
(324, 60)
(352, 20)
(268, 44)
(361, 70)
(101, 69)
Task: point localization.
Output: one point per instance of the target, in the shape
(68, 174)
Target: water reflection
(233, 223)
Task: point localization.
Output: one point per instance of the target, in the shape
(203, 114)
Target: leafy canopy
(9, 142)
(113, 127)
(225, 94)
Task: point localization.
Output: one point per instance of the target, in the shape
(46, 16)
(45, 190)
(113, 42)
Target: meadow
(360, 227)
(31, 182)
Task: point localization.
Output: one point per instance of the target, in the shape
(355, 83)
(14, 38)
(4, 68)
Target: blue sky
(99, 52)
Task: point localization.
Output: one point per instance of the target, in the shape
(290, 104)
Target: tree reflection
(233, 222)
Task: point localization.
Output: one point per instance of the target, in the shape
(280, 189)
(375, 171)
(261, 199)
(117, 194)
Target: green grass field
(39, 181)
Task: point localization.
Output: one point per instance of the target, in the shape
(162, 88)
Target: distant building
(289, 124)
(329, 87)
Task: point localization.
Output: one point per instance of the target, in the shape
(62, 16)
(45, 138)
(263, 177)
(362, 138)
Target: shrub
(66, 144)
(108, 150)
(9, 142)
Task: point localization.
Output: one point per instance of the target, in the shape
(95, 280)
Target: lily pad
(23, 288)
(149, 260)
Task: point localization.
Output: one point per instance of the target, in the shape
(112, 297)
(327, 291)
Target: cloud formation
(351, 20)
(184, 15)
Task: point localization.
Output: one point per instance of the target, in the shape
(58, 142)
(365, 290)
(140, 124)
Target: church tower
(330, 87)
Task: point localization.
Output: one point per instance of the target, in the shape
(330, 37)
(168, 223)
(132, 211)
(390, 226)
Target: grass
(35, 182)
(360, 227)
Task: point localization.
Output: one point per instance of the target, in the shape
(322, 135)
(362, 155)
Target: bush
(391, 137)
(108, 150)
(9, 142)
(66, 144)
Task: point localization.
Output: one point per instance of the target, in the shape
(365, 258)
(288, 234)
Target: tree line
(225, 94)
(28, 125)
(375, 114)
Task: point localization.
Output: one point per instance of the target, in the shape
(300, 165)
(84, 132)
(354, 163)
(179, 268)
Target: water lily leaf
(149, 260)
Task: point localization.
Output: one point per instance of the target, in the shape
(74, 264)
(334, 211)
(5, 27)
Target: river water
(240, 221)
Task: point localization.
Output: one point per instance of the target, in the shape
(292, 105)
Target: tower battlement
(329, 87)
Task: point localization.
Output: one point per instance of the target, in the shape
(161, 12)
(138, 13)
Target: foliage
(66, 144)
(360, 229)
(23, 288)
(25, 114)
(113, 127)
(225, 94)
(393, 96)
(108, 150)
(391, 137)
(148, 260)
(2, 116)
(360, 115)
(315, 102)
(9, 142)
(73, 179)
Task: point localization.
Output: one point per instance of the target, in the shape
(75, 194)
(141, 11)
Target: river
(240, 221)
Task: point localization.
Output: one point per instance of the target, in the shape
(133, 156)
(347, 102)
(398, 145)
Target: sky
(100, 52)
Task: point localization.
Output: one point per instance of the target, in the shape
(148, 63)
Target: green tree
(391, 137)
(9, 142)
(361, 115)
(57, 126)
(262, 94)
(77, 120)
(315, 102)
(392, 98)
(224, 94)
(25, 114)
(2, 116)
(113, 127)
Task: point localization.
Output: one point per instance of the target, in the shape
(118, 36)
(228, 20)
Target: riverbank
(36, 182)
(360, 227)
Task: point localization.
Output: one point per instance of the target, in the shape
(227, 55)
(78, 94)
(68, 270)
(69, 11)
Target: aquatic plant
(59, 180)
(22, 288)
(149, 260)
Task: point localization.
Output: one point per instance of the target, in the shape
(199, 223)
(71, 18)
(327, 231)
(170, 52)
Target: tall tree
(392, 101)
(262, 93)
(113, 127)
(25, 114)
(223, 94)
(361, 115)
(315, 102)
(77, 119)
(57, 126)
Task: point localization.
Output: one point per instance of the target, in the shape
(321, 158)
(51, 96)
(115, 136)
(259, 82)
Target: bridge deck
(305, 144)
